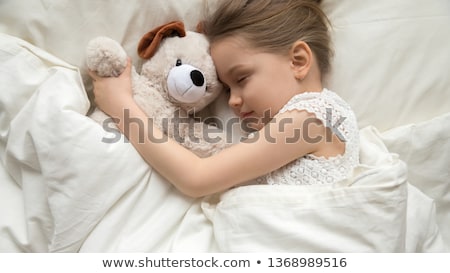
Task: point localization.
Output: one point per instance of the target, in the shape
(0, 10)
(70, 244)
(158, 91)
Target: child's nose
(234, 101)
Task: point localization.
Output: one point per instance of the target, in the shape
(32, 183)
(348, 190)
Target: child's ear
(301, 58)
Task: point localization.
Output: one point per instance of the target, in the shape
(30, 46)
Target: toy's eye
(178, 62)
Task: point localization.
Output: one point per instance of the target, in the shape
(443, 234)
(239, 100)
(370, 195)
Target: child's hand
(113, 93)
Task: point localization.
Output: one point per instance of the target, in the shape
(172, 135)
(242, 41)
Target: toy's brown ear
(150, 41)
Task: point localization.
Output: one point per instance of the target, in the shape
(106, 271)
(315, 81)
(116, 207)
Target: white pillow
(63, 28)
(391, 59)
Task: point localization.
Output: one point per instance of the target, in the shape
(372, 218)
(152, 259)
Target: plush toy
(177, 79)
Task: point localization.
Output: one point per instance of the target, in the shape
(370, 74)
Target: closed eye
(241, 79)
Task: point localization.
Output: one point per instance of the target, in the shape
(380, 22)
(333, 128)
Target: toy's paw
(105, 57)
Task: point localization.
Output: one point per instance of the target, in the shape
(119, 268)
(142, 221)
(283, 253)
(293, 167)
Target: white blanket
(74, 185)
(374, 211)
(68, 191)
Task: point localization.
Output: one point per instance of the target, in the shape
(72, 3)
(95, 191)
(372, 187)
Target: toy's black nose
(197, 77)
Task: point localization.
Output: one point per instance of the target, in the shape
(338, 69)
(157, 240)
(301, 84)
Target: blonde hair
(273, 26)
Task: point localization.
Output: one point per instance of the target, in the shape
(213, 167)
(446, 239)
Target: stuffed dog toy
(177, 79)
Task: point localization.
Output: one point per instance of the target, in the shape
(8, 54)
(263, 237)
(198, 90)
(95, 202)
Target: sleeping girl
(272, 56)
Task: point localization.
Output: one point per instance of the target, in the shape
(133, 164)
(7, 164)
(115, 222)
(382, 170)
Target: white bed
(63, 190)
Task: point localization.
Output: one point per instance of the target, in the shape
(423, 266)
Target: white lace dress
(335, 114)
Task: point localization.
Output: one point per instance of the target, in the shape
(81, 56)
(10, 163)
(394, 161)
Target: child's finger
(127, 70)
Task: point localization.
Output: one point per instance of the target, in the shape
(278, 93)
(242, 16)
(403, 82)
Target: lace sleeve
(329, 108)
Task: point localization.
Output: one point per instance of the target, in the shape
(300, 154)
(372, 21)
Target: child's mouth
(245, 114)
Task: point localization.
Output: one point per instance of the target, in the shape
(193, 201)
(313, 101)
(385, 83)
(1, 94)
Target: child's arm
(277, 144)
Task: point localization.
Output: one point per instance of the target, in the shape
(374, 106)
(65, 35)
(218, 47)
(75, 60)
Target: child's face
(260, 83)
